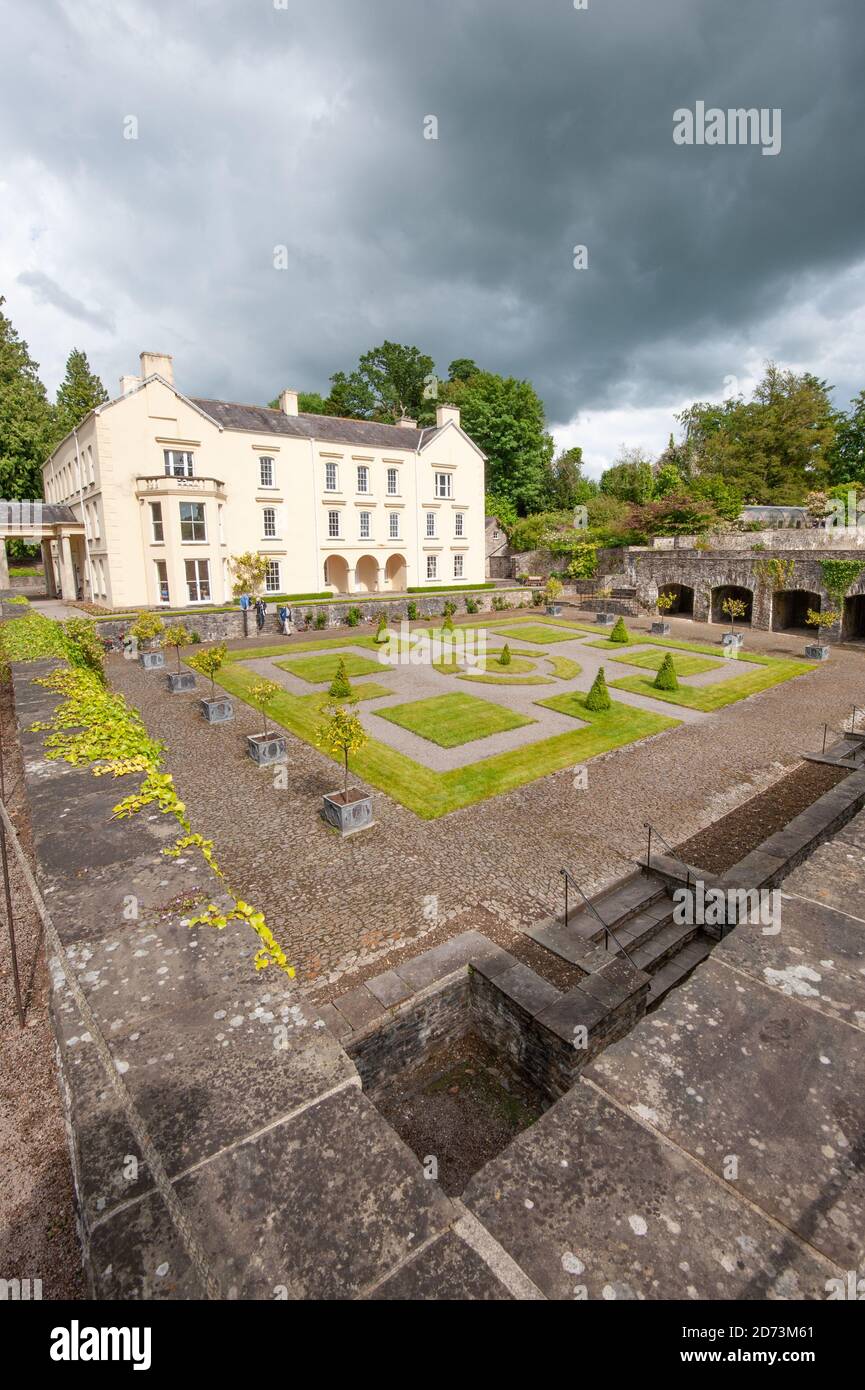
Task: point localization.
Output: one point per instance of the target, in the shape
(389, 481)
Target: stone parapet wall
(785, 538)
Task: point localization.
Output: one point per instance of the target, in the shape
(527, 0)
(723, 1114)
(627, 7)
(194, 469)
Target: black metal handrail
(608, 930)
(652, 829)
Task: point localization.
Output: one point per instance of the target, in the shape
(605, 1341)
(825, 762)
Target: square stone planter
(605, 619)
(348, 816)
(814, 651)
(151, 661)
(661, 629)
(554, 610)
(217, 710)
(732, 640)
(180, 681)
(266, 748)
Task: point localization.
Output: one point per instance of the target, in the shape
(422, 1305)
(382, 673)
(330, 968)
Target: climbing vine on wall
(838, 575)
(774, 573)
(92, 724)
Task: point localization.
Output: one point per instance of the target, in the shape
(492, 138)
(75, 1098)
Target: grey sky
(303, 126)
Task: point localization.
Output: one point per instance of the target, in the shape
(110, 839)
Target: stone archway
(395, 573)
(790, 608)
(336, 573)
(853, 623)
(720, 596)
(683, 599)
(366, 575)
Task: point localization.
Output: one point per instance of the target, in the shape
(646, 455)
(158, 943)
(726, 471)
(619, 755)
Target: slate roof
(15, 514)
(332, 429)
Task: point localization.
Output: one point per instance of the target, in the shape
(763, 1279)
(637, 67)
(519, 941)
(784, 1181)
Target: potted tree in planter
(218, 709)
(605, 619)
(265, 747)
(734, 608)
(663, 603)
(816, 651)
(342, 734)
(176, 636)
(552, 593)
(147, 631)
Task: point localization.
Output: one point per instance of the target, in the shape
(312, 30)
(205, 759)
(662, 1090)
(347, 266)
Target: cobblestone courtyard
(340, 906)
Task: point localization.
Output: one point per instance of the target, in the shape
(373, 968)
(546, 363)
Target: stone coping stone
(388, 988)
(573, 1010)
(525, 989)
(591, 1204)
(448, 1270)
(833, 876)
(817, 958)
(359, 1007)
(727, 1066)
(321, 1207)
(90, 903)
(469, 948)
(853, 833)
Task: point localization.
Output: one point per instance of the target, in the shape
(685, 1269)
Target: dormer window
(178, 463)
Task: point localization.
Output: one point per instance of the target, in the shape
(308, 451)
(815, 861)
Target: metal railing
(607, 929)
(653, 830)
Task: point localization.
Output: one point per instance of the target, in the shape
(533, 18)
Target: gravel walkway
(339, 906)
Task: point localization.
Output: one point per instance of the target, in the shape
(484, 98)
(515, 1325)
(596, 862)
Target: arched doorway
(366, 575)
(683, 599)
(790, 609)
(720, 596)
(853, 625)
(395, 573)
(336, 574)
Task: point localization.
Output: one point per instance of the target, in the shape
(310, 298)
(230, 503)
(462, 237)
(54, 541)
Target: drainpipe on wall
(88, 561)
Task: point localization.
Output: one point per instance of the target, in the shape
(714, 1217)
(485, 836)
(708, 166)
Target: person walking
(260, 611)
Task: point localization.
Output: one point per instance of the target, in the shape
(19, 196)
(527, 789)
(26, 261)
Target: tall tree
(388, 383)
(568, 488)
(79, 392)
(25, 417)
(505, 418)
(847, 458)
(630, 477)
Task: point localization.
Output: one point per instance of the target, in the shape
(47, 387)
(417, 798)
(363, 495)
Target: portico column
(4, 565)
(67, 573)
(48, 566)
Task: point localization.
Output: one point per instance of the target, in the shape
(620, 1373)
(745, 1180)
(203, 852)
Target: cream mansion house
(159, 490)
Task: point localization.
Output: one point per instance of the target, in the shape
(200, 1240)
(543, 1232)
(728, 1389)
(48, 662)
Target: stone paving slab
(591, 1204)
(728, 1066)
(94, 901)
(468, 947)
(817, 958)
(446, 1271)
(834, 876)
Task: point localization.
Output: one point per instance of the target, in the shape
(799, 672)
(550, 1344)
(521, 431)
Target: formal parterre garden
(518, 655)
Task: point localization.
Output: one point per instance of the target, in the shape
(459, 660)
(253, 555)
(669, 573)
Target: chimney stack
(157, 364)
(446, 413)
(288, 402)
(407, 422)
(129, 383)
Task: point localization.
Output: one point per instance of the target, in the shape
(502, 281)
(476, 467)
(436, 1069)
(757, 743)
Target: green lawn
(685, 664)
(605, 643)
(709, 698)
(431, 794)
(366, 690)
(451, 720)
(563, 668)
(323, 668)
(508, 680)
(536, 632)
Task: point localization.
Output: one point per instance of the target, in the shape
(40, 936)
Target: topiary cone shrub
(505, 658)
(666, 679)
(340, 686)
(620, 632)
(598, 699)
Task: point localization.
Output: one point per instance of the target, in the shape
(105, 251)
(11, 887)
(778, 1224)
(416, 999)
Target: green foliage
(249, 571)
(734, 608)
(208, 662)
(148, 627)
(665, 601)
(503, 509)
(774, 573)
(388, 383)
(411, 611)
(176, 636)
(26, 418)
(620, 633)
(505, 418)
(32, 637)
(828, 617)
(341, 734)
(449, 608)
(838, 575)
(553, 590)
(584, 564)
(666, 679)
(83, 647)
(381, 628)
(353, 616)
(79, 392)
(630, 478)
(505, 658)
(261, 695)
(320, 620)
(847, 454)
(340, 686)
(598, 699)
(472, 605)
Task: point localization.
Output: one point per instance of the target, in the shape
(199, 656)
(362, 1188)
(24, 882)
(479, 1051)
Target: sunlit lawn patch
(323, 668)
(684, 662)
(450, 720)
(537, 632)
(709, 698)
(563, 668)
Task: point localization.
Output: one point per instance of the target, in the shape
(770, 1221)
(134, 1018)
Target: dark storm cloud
(303, 127)
(47, 291)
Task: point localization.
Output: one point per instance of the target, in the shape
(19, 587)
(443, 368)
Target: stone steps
(677, 968)
(627, 900)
